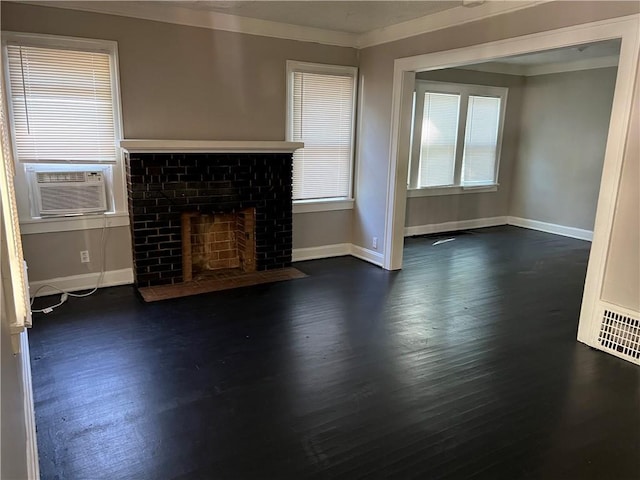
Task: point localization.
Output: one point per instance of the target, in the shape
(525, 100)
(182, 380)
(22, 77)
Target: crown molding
(496, 67)
(252, 26)
(441, 20)
(545, 69)
(210, 20)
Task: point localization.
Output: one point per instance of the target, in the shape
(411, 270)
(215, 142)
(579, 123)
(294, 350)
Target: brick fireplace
(229, 193)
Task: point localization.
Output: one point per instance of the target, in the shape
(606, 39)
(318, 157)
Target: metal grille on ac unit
(65, 193)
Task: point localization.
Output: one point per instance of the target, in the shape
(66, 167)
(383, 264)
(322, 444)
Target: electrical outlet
(84, 256)
(375, 242)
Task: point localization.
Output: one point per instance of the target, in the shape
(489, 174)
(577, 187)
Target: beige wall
(48, 254)
(565, 122)
(180, 82)
(622, 274)
(376, 68)
(322, 228)
(468, 206)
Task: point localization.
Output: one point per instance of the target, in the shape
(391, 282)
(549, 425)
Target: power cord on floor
(64, 294)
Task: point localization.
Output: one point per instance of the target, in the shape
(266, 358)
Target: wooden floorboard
(462, 365)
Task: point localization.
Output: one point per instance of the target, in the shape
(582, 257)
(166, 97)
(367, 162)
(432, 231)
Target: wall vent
(620, 333)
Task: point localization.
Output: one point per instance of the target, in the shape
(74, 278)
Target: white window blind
(62, 105)
(322, 118)
(480, 141)
(439, 136)
(456, 137)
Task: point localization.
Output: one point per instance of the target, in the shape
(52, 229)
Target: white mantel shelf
(208, 146)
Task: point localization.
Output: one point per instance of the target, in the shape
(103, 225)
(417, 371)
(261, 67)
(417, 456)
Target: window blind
(62, 105)
(322, 118)
(438, 142)
(480, 141)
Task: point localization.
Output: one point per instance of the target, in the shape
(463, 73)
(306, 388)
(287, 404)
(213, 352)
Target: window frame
(117, 215)
(464, 90)
(326, 203)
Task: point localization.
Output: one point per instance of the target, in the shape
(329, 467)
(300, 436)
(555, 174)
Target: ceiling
(343, 16)
(569, 54)
(591, 55)
(345, 23)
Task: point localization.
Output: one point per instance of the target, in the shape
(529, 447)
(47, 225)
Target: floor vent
(620, 333)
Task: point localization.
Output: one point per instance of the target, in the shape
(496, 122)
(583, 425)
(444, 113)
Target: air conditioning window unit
(69, 193)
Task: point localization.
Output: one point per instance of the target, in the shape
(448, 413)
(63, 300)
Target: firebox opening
(214, 243)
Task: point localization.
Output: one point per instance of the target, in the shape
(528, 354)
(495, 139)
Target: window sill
(327, 205)
(453, 190)
(68, 224)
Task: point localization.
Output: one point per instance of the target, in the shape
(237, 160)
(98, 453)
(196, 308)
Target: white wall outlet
(374, 243)
(84, 256)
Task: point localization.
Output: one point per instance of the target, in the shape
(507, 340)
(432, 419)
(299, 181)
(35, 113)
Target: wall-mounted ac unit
(68, 193)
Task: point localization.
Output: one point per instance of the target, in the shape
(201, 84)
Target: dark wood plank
(462, 365)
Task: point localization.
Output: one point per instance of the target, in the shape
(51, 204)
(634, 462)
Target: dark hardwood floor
(462, 365)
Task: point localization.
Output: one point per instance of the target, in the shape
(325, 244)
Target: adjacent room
(261, 239)
(526, 149)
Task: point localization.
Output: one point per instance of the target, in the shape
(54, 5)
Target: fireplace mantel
(208, 146)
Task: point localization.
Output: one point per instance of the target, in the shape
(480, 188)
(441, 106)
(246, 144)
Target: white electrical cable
(65, 294)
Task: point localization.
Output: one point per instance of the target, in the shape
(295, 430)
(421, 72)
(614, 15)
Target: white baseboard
(323, 251)
(572, 232)
(33, 467)
(367, 255)
(494, 221)
(454, 226)
(85, 281)
(337, 250)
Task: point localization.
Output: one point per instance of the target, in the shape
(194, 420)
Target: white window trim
(322, 204)
(118, 216)
(464, 90)
(325, 205)
(450, 190)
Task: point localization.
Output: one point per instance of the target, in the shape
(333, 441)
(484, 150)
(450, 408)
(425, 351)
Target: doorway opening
(408, 70)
